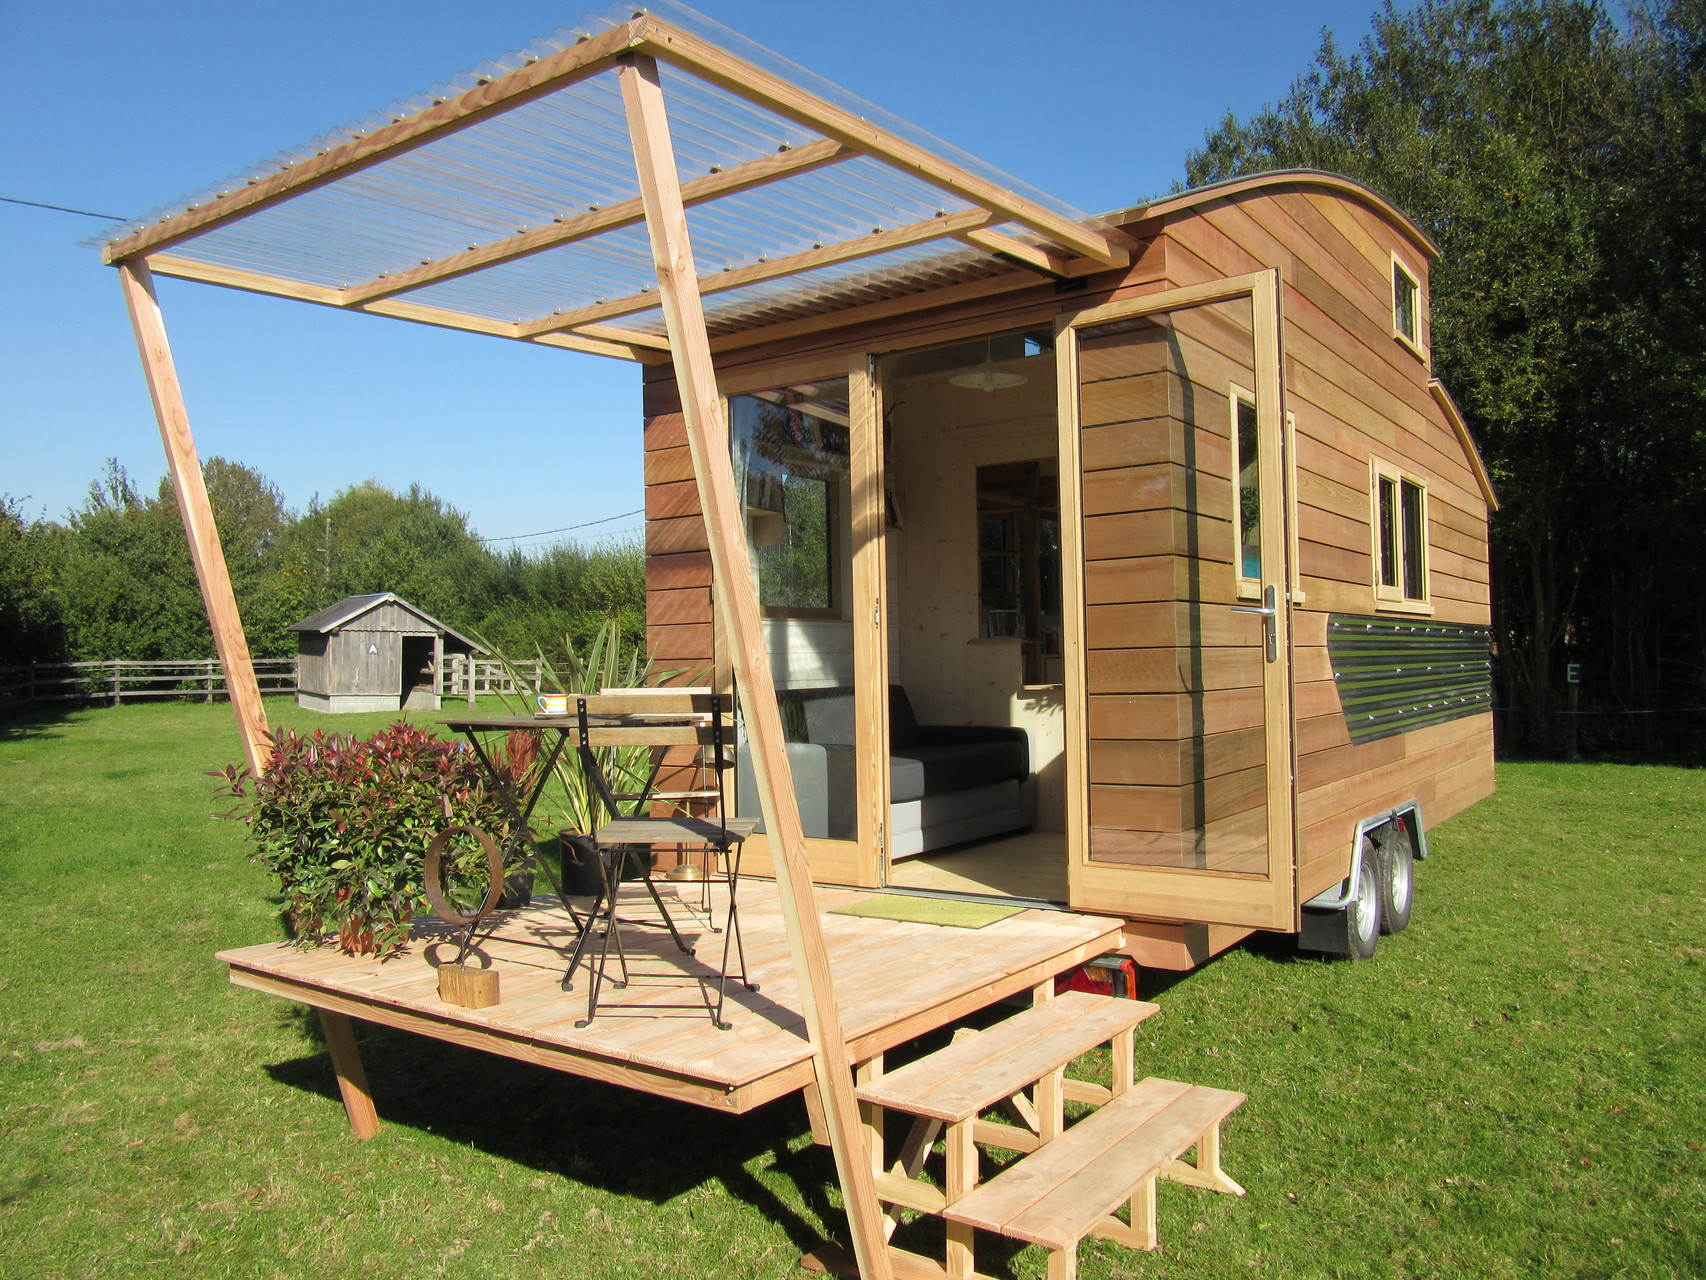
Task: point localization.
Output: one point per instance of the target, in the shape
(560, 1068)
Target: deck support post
(352, 1078)
(737, 602)
(211, 574)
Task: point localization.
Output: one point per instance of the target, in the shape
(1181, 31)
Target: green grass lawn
(1513, 1087)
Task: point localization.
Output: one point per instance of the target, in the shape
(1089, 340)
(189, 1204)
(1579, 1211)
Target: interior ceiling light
(988, 376)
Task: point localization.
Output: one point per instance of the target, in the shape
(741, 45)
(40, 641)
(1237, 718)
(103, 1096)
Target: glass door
(1176, 520)
(794, 456)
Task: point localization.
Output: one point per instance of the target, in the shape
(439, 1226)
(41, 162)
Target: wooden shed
(1132, 566)
(373, 652)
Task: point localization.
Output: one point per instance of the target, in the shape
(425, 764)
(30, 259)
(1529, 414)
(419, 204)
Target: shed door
(1171, 413)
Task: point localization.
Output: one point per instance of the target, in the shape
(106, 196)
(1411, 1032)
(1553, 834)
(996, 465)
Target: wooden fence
(468, 677)
(119, 680)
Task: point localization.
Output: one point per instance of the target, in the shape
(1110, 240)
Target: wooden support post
(210, 572)
(737, 603)
(1123, 1047)
(961, 1178)
(352, 1080)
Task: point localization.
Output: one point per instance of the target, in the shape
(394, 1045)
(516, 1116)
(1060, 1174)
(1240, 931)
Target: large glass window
(789, 449)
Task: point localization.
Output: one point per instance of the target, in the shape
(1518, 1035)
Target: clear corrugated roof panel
(562, 155)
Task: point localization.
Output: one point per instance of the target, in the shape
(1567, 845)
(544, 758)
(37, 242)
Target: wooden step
(1069, 1188)
(976, 1072)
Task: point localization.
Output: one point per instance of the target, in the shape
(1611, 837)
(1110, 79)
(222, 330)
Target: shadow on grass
(618, 1140)
(1275, 948)
(21, 723)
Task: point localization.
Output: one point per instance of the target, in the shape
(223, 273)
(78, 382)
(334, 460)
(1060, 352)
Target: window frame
(1414, 341)
(1248, 588)
(1395, 596)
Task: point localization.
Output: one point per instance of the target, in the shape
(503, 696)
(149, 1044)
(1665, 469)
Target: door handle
(1268, 612)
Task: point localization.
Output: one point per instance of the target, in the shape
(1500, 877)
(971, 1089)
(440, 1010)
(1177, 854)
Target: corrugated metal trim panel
(1396, 675)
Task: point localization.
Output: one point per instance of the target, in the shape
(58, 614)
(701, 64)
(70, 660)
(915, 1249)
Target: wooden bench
(1070, 1187)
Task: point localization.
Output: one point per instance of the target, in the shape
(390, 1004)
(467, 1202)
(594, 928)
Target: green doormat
(958, 915)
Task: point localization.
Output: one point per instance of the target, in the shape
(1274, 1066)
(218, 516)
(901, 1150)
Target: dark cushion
(903, 725)
(934, 770)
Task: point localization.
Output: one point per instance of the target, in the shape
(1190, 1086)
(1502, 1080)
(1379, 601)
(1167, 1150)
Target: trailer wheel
(1397, 867)
(1363, 915)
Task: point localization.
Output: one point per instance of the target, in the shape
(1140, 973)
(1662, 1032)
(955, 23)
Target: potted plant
(608, 662)
(344, 824)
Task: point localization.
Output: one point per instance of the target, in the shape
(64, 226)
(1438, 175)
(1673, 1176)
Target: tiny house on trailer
(1160, 591)
(1133, 566)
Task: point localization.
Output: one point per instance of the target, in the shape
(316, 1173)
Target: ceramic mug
(553, 704)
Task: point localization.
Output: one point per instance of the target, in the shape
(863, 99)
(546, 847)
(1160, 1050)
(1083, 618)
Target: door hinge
(877, 614)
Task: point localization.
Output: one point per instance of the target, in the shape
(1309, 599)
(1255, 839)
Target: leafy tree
(1555, 156)
(369, 538)
(32, 628)
(127, 585)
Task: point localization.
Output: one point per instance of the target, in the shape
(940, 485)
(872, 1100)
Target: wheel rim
(1399, 883)
(1365, 913)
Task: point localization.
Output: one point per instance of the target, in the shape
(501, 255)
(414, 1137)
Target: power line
(60, 208)
(568, 528)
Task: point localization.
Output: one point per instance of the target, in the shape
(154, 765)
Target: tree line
(114, 578)
(1553, 151)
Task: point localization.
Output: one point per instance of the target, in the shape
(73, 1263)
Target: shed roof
(347, 610)
(508, 202)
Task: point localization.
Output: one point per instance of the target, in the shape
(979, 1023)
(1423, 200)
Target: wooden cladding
(678, 562)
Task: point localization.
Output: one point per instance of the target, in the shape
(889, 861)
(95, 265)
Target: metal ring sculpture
(435, 891)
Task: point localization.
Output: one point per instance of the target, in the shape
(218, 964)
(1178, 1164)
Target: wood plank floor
(1031, 864)
(893, 981)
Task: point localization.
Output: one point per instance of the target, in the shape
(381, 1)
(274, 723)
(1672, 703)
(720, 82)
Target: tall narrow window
(1406, 305)
(1248, 464)
(1400, 516)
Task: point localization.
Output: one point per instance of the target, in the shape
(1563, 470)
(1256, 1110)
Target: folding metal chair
(657, 720)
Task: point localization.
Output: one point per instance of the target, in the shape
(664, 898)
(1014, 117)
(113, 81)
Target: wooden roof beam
(847, 251)
(736, 597)
(744, 177)
(535, 80)
(626, 347)
(709, 63)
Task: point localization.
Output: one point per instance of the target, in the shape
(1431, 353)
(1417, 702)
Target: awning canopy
(507, 202)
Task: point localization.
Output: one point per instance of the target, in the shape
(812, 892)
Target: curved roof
(1321, 178)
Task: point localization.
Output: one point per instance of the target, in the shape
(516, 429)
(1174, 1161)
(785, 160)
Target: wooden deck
(893, 981)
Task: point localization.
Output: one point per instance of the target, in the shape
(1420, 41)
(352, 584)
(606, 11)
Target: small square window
(1400, 518)
(1406, 305)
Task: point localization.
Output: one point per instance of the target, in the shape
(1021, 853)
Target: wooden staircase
(1070, 1180)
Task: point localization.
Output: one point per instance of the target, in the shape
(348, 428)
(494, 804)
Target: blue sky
(118, 110)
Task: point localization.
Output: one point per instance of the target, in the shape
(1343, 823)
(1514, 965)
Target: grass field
(1514, 1087)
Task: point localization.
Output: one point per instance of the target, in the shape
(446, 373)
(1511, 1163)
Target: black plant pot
(517, 891)
(581, 878)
